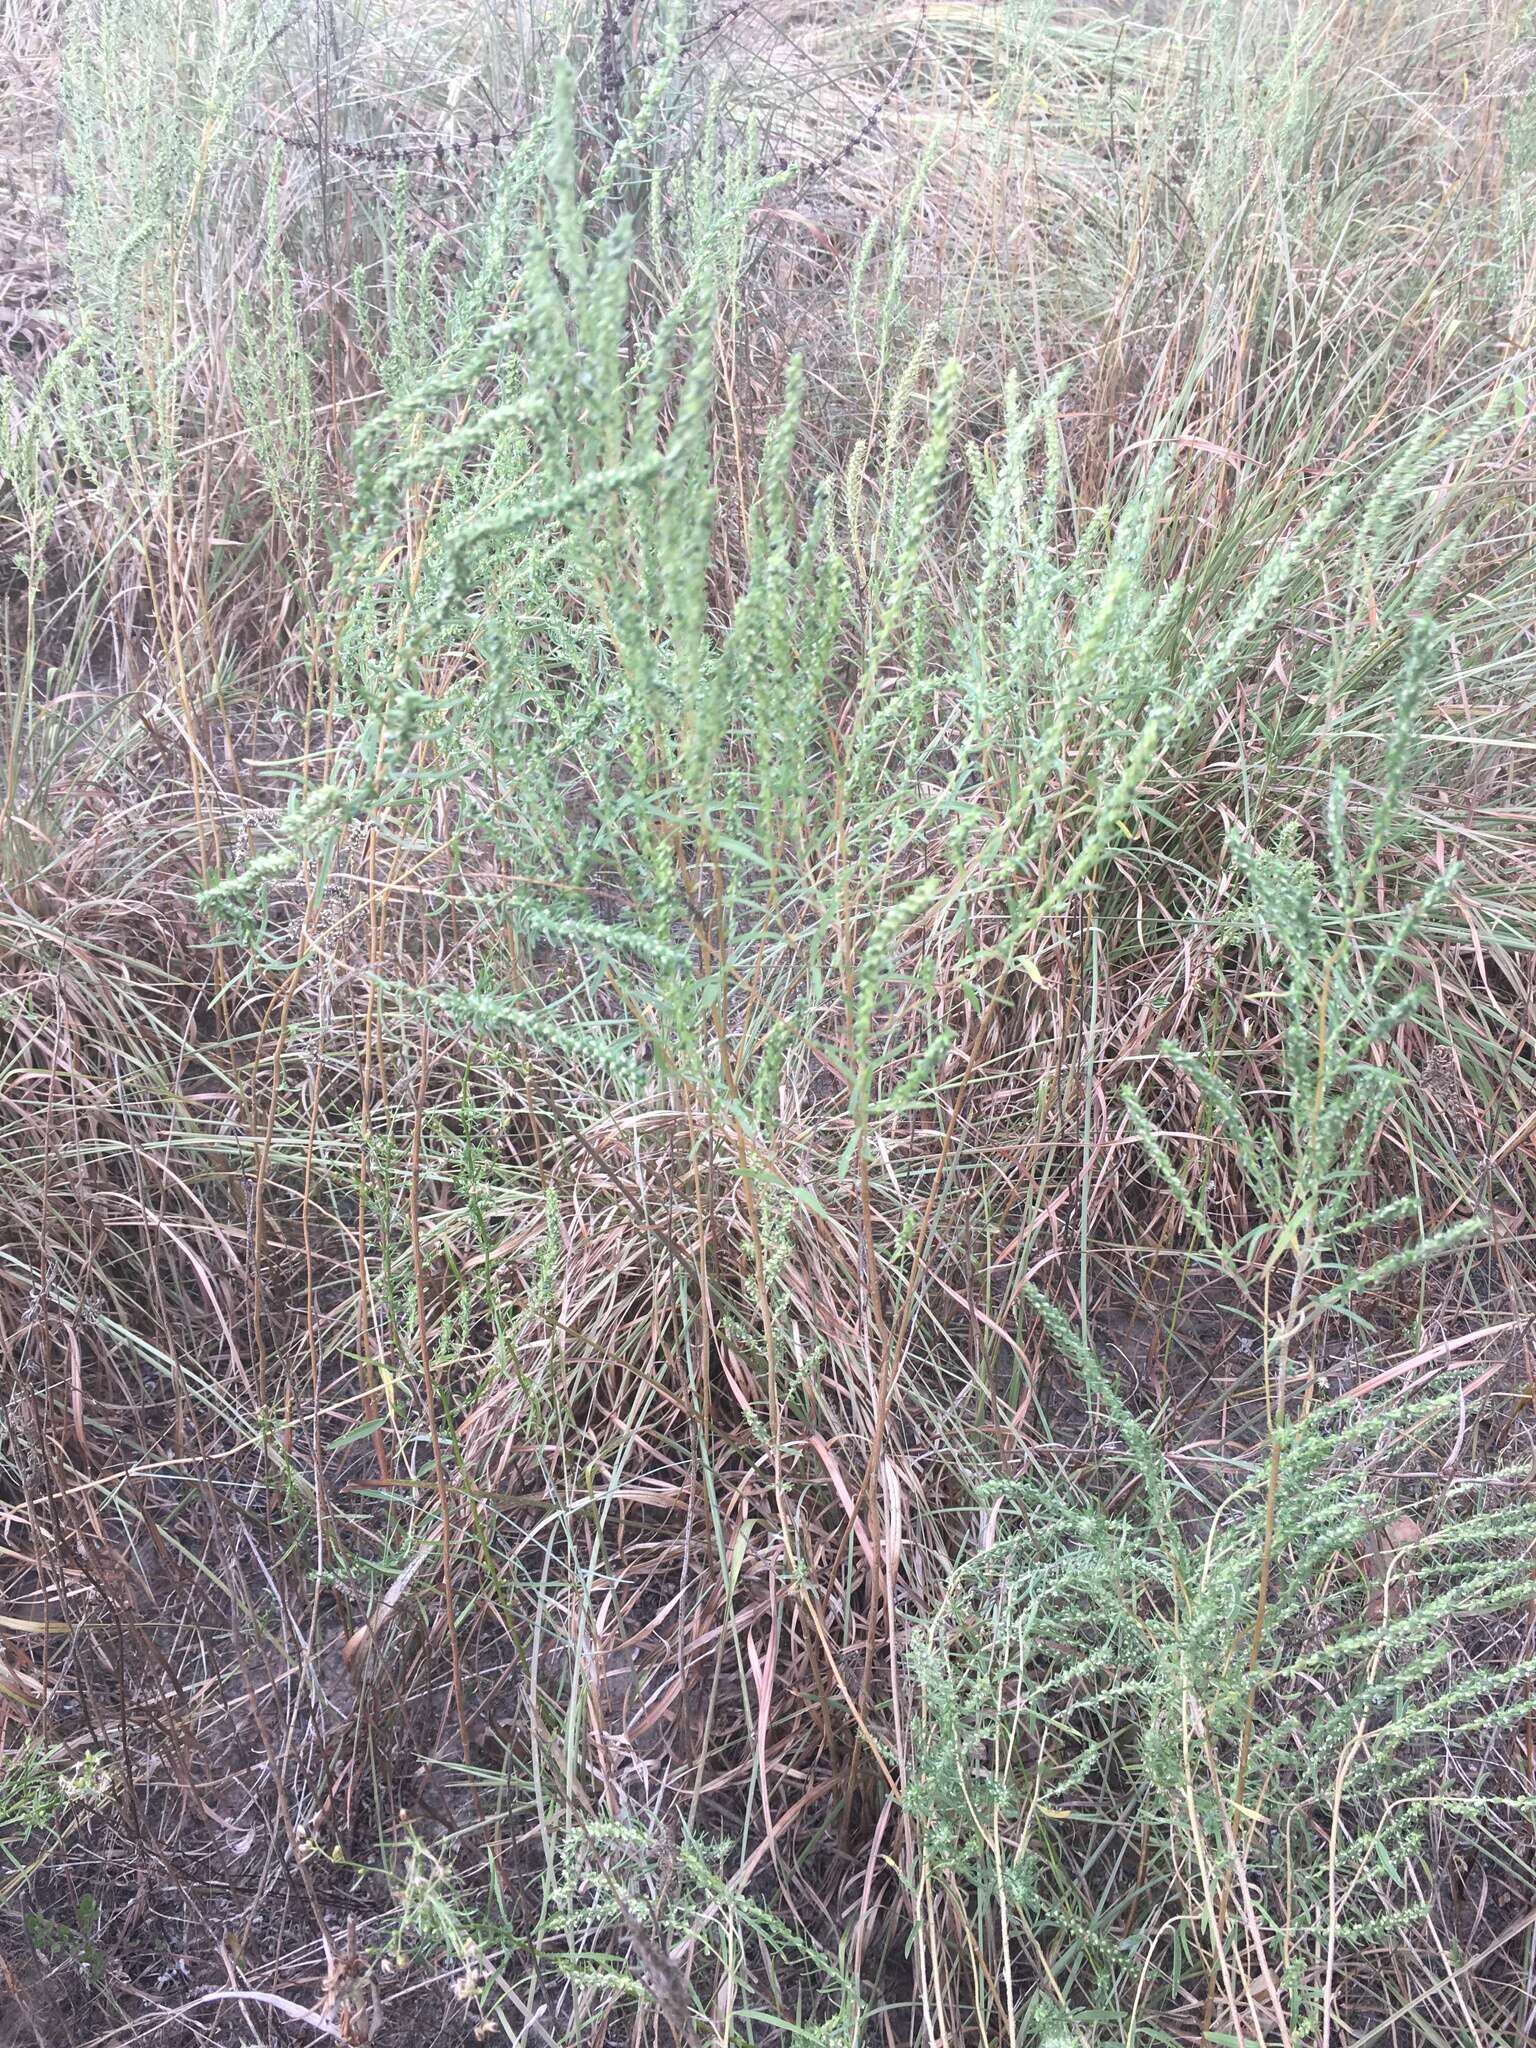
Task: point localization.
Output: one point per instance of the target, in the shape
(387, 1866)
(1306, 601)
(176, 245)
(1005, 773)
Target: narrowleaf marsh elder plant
(765, 1033)
(1134, 1795)
(1282, 1699)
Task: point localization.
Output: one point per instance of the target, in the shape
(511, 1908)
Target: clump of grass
(690, 804)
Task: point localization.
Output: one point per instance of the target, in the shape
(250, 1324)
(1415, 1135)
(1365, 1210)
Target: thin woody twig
(441, 153)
